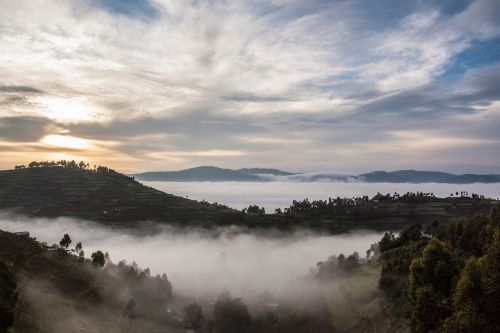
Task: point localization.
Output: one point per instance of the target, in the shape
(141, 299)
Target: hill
(104, 196)
(200, 174)
(413, 176)
(120, 201)
(263, 171)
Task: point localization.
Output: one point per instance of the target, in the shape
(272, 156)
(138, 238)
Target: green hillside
(117, 200)
(101, 196)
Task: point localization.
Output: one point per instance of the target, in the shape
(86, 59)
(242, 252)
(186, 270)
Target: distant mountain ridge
(416, 177)
(264, 171)
(215, 174)
(202, 173)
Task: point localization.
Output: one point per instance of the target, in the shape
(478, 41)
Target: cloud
(166, 77)
(20, 89)
(24, 129)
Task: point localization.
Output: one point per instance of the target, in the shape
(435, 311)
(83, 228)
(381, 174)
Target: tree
(255, 210)
(8, 297)
(469, 286)
(193, 314)
(231, 315)
(491, 277)
(107, 258)
(78, 247)
(98, 259)
(65, 241)
(430, 286)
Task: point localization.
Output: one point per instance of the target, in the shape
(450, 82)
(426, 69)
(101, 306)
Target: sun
(68, 109)
(66, 141)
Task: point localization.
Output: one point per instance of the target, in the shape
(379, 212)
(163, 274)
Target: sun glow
(68, 109)
(64, 141)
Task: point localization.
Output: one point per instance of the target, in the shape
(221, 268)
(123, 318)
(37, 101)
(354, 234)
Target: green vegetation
(435, 276)
(448, 281)
(50, 290)
(383, 212)
(100, 194)
(53, 189)
(8, 296)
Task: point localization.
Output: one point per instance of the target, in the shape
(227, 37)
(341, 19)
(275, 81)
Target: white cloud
(229, 59)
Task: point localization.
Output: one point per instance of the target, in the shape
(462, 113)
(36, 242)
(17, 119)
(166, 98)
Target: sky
(301, 85)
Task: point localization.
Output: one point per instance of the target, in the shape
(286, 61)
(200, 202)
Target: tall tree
(431, 281)
(65, 241)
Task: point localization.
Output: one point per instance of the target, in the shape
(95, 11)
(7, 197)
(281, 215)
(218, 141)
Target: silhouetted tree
(107, 258)
(98, 259)
(65, 241)
(231, 315)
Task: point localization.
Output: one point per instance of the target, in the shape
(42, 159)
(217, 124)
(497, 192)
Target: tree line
(65, 164)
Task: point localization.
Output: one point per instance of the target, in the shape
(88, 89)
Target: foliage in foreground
(449, 282)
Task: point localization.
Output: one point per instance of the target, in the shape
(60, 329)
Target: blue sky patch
(477, 55)
(131, 8)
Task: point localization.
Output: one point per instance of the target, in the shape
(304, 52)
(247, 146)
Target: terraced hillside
(120, 201)
(101, 196)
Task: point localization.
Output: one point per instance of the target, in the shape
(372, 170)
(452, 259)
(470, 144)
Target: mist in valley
(279, 194)
(202, 263)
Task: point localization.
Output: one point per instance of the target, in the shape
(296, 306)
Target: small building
(364, 261)
(22, 234)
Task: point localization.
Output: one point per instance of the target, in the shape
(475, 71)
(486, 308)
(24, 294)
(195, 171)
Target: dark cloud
(24, 129)
(14, 100)
(20, 89)
(186, 131)
(478, 87)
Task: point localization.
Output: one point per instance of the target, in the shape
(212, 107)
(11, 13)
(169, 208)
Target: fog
(279, 194)
(205, 263)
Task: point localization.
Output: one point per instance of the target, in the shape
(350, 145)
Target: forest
(446, 279)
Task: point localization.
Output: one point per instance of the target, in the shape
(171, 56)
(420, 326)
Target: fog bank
(279, 194)
(201, 263)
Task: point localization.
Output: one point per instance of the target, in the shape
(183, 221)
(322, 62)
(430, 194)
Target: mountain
(263, 171)
(199, 174)
(215, 174)
(413, 176)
